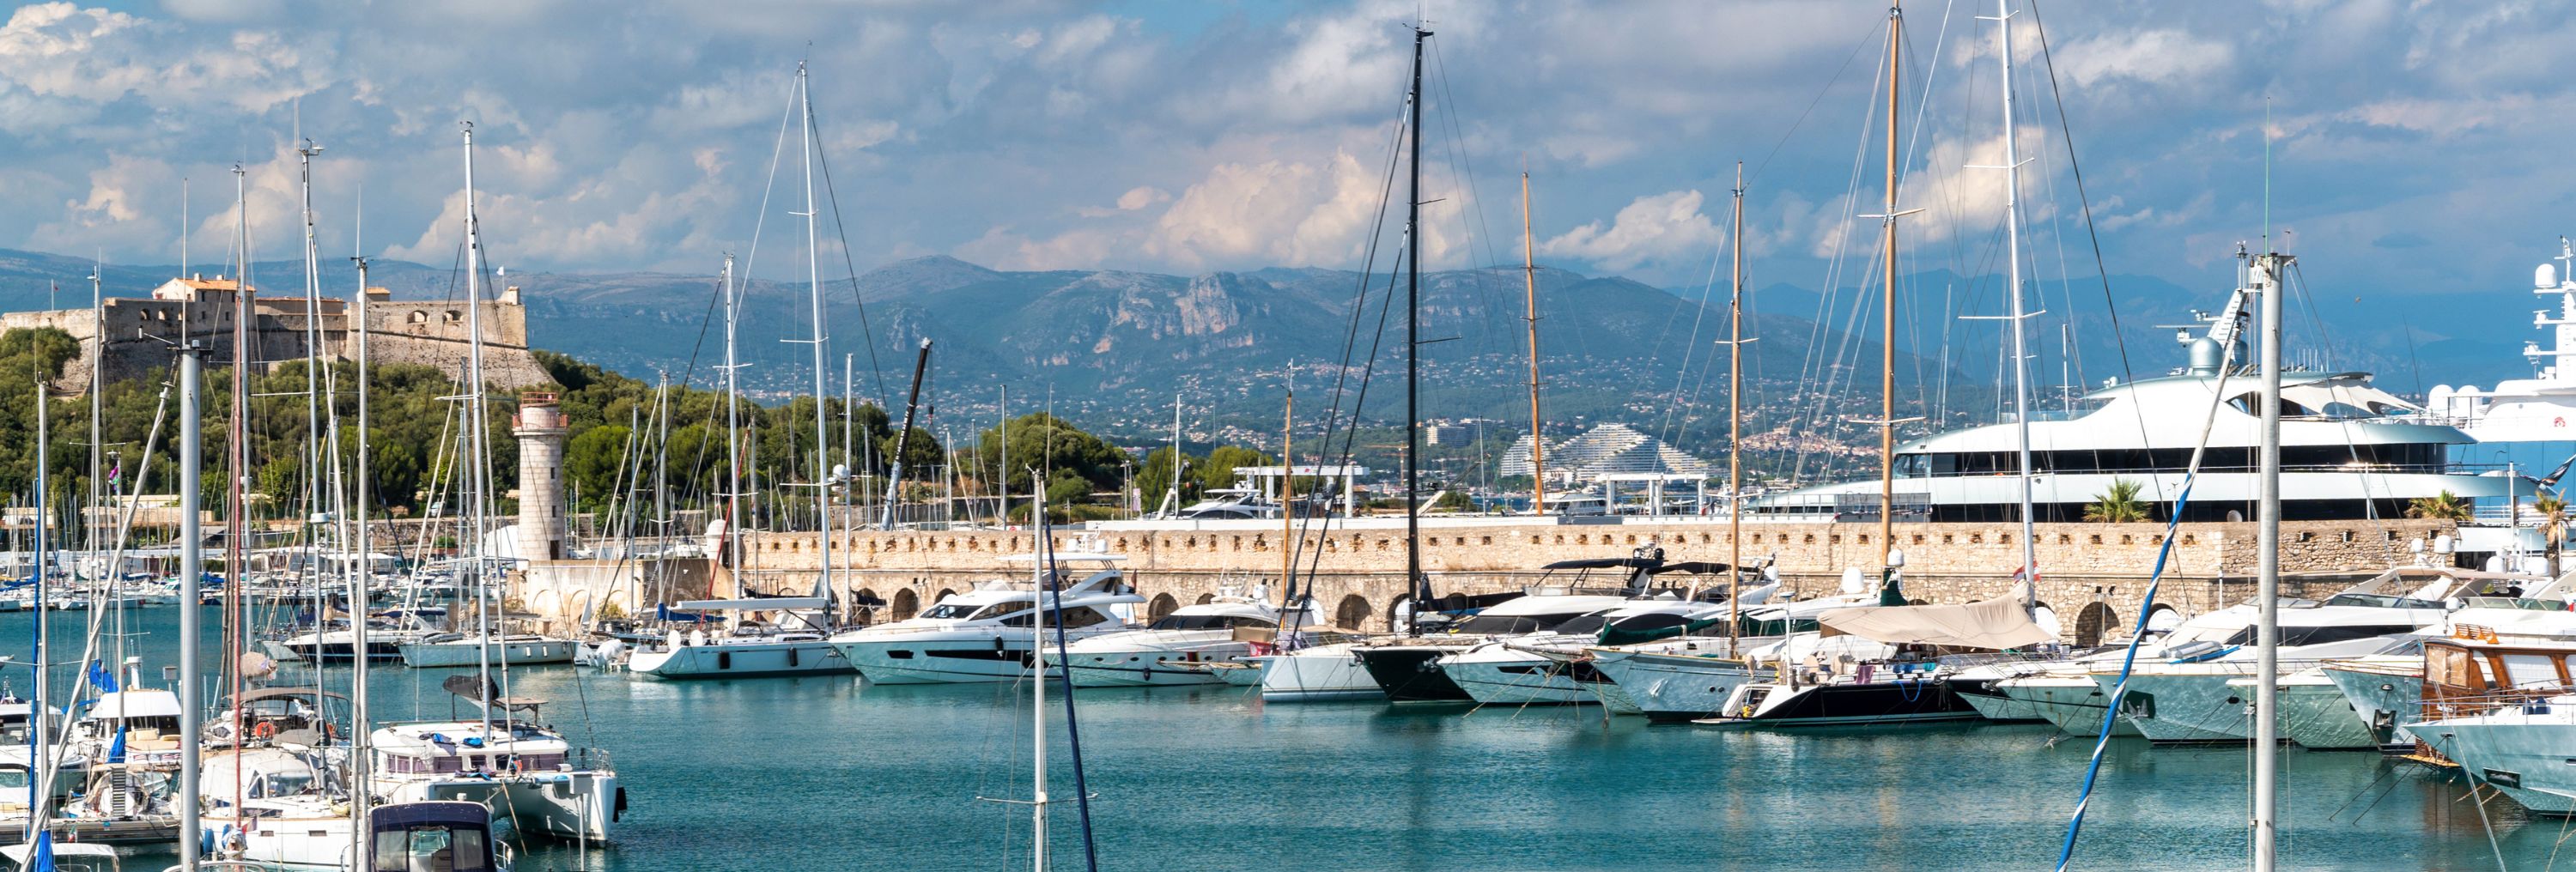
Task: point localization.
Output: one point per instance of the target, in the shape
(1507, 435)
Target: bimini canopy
(1994, 624)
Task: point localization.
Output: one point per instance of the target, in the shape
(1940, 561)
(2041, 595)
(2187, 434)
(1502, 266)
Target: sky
(2414, 149)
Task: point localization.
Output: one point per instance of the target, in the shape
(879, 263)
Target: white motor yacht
(1547, 669)
(1696, 681)
(1318, 673)
(990, 633)
(449, 650)
(1170, 650)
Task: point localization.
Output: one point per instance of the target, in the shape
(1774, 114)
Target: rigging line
(1360, 290)
(841, 227)
(2146, 610)
(1707, 289)
(1857, 47)
(2066, 134)
(760, 218)
(1464, 169)
(1350, 436)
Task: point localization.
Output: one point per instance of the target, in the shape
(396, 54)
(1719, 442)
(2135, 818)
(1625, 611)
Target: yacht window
(433, 847)
(2530, 670)
(1655, 621)
(949, 612)
(1207, 622)
(1585, 624)
(998, 610)
(2380, 601)
(1499, 624)
(1078, 616)
(2322, 635)
(13, 782)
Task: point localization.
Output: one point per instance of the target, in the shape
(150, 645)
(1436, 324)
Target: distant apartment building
(1461, 431)
(1609, 449)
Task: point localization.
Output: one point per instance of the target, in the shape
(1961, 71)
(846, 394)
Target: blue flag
(100, 678)
(42, 858)
(116, 751)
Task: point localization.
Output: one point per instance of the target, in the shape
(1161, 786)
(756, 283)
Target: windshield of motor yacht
(1078, 616)
(2510, 602)
(973, 611)
(2296, 636)
(1502, 624)
(2382, 601)
(1209, 622)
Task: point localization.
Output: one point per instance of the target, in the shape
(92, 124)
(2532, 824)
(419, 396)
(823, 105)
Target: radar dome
(1852, 582)
(2206, 356)
(2545, 276)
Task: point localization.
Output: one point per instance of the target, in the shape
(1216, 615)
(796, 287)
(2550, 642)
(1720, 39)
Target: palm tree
(2119, 505)
(2553, 523)
(2445, 506)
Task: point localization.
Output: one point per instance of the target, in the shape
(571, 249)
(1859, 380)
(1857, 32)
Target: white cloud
(1649, 230)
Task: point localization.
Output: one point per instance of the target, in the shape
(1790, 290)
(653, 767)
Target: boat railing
(588, 760)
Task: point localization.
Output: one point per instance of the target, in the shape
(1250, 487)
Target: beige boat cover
(1994, 624)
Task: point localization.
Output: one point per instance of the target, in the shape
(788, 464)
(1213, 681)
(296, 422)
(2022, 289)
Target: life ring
(265, 730)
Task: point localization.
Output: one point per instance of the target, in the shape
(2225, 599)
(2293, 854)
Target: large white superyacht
(2349, 450)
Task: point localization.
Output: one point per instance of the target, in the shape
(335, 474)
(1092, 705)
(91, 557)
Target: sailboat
(779, 647)
(1337, 671)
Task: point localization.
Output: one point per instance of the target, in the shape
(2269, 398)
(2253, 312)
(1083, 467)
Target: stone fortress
(138, 331)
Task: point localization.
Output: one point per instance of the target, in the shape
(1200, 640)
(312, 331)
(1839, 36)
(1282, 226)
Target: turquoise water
(828, 773)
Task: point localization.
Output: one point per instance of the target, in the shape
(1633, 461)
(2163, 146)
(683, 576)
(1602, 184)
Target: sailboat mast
(45, 765)
(1887, 302)
(1413, 347)
(1529, 275)
(1735, 428)
(192, 570)
(814, 279)
(359, 725)
(1037, 682)
(1287, 493)
(2267, 595)
(2012, 257)
(477, 425)
(733, 432)
(237, 446)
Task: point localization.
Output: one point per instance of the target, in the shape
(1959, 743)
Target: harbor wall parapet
(2093, 576)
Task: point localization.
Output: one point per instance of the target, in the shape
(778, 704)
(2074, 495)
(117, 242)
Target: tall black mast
(1413, 352)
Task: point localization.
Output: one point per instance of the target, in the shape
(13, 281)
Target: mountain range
(1111, 349)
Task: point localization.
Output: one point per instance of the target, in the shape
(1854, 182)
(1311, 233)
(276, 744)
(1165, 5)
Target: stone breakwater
(2092, 575)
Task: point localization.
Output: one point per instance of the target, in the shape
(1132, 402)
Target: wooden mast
(1529, 272)
(1887, 312)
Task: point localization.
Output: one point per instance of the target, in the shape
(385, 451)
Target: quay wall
(2093, 576)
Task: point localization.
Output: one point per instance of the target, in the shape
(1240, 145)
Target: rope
(2146, 610)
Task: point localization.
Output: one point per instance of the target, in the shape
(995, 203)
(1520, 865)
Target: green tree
(1047, 442)
(595, 462)
(1154, 478)
(2118, 505)
(1217, 471)
(2444, 506)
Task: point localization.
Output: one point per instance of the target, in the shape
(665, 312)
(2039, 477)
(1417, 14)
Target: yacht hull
(2520, 752)
(1668, 687)
(1320, 674)
(2384, 699)
(2074, 703)
(573, 806)
(2185, 707)
(1877, 703)
(747, 660)
(443, 655)
(944, 661)
(1530, 680)
(2315, 714)
(1411, 673)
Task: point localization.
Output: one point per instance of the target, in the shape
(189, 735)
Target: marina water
(830, 773)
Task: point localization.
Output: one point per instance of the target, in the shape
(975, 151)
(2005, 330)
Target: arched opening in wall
(419, 316)
(944, 594)
(2163, 619)
(454, 316)
(864, 604)
(2092, 623)
(906, 604)
(1206, 598)
(2046, 618)
(1162, 605)
(1352, 613)
(1400, 612)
